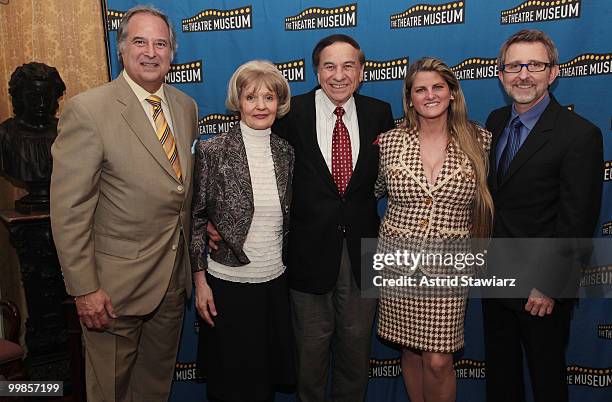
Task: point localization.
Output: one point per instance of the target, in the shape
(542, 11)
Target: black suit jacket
(320, 218)
(552, 190)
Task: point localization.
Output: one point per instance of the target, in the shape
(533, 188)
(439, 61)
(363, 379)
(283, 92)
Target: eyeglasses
(532, 67)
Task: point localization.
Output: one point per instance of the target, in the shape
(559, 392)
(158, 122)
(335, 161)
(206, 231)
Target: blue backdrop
(216, 36)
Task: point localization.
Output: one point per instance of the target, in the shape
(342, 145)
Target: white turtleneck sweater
(264, 241)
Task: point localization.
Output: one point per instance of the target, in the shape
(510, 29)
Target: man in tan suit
(120, 209)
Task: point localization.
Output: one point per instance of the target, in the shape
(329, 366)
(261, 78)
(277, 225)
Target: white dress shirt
(142, 95)
(326, 120)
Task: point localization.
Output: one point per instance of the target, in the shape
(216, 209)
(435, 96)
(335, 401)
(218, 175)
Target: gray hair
(143, 9)
(530, 36)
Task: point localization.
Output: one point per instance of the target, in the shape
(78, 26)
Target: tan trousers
(134, 359)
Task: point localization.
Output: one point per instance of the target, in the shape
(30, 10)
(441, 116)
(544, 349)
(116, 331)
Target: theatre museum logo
(541, 10)
(216, 123)
(476, 68)
(586, 65)
(186, 372)
(604, 331)
(386, 70)
(323, 18)
(185, 73)
(113, 19)
(384, 368)
(596, 276)
(468, 369)
(219, 20)
(293, 70)
(589, 376)
(423, 15)
(606, 229)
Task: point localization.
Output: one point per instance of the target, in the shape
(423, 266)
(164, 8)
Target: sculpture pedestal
(46, 334)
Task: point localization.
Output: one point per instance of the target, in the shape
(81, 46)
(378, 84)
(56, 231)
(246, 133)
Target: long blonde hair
(463, 132)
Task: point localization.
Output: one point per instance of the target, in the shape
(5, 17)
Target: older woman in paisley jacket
(242, 185)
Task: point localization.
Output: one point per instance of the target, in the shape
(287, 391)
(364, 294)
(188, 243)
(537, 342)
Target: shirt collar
(141, 93)
(531, 117)
(329, 106)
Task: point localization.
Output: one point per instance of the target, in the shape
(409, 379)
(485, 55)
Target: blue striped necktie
(512, 146)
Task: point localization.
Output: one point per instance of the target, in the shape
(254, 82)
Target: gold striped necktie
(164, 135)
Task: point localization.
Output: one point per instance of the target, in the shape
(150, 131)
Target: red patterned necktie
(342, 157)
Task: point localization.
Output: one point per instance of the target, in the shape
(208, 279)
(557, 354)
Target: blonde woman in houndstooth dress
(433, 170)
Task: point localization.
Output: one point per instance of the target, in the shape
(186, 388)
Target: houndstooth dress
(417, 212)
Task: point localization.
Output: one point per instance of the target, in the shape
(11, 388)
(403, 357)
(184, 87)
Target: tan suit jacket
(117, 207)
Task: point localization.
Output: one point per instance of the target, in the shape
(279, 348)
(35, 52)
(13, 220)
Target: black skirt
(249, 352)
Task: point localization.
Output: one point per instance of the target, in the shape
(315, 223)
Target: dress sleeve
(380, 186)
(484, 137)
(199, 213)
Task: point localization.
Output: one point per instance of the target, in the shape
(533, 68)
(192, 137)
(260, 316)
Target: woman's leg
(439, 381)
(412, 372)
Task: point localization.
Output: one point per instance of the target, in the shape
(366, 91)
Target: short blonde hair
(258, 72)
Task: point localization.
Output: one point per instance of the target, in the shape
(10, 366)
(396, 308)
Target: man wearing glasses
(545, 179)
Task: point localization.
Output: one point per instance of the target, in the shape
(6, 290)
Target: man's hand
(95, 309)
(213, 236)
(204, 301)
(539, 304)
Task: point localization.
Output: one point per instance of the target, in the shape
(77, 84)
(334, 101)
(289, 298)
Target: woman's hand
(204, 301)
(213, 236)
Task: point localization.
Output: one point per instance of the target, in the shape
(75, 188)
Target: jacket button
(424, 223)
(427, 201)
(174, 247)
(180, 188)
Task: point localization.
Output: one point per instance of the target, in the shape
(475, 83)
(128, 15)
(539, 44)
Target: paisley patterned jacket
(223, 195)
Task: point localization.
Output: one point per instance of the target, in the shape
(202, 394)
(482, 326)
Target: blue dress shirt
(529, 120)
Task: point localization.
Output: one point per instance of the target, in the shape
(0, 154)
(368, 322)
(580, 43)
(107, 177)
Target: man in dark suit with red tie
(333, 130)
(545, 179)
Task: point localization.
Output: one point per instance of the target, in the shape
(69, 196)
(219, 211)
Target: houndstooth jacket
(415, 209)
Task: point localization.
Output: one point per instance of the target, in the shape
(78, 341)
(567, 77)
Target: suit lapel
(311, 142)
(453, 164)
(537, 138)
(240, 166)
(496, 130)
(365, 141)
(411, 160)
(135, 117)
(281, 168)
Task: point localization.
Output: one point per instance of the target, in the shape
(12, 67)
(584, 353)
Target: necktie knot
(516, 124)
(154, 100)
(339, 111)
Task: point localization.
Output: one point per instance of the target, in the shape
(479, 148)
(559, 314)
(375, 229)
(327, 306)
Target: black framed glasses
(532, 67)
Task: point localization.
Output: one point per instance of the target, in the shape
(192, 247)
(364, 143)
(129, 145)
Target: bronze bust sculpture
(26, 139)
